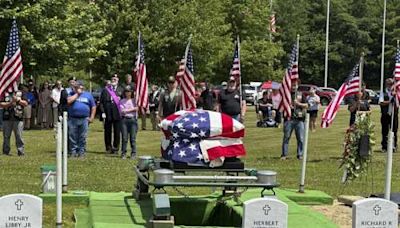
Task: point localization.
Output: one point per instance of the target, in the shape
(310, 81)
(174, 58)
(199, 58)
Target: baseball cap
(72, 78)
(79, 83)
(128, 88)
(232, 79)
(224, 83)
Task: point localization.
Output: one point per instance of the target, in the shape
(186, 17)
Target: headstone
(20, 210)
(265, 213)
(375, 212)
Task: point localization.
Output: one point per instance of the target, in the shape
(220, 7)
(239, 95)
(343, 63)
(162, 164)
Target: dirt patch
(338, 213)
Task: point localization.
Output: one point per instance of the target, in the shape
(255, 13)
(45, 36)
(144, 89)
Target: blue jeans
(77, 133)
(288, 127)
(129, 129)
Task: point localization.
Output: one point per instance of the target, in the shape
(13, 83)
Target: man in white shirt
(55, 96)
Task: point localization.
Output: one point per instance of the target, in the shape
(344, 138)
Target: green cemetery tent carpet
(120, 210)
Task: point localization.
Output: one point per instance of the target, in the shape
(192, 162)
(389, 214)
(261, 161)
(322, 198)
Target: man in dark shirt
(154, 99)
(170, 99)
(109, 107)
(360, 102)
(13, 105)
(264, 107)
(231, 102)
(296, 123)
(207, 98)
(387, 108)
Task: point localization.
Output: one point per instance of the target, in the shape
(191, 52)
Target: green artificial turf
(119, 210)
(103, 173)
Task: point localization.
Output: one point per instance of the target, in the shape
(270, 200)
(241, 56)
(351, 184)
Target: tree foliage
(59, 37)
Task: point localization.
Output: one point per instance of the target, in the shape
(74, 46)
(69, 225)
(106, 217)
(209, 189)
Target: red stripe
(227, 124)
(227, 151)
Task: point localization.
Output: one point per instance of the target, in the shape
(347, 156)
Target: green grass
(98, 172)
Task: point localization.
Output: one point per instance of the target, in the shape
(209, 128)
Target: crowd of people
(40, 108)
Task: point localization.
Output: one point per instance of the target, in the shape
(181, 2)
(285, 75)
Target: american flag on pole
(185, 78)
(12, 63)
(141, 78)
(235, 70)
(198, 137)
(351, 86)
(291, 73)
(396, 75)
(272, 21)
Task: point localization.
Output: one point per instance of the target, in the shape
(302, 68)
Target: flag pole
(270, 13)
(383, 51)
(361, 69)
(240, 76)
(389, 159)
(327, 43)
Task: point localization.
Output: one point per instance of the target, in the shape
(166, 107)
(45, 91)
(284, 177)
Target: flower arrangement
(361, 134)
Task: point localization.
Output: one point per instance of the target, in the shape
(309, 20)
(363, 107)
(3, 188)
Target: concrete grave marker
(265, 213)
(375, 212)
(21, 211)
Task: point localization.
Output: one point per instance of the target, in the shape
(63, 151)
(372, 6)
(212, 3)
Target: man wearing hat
(81, 112)
(65, 93)
(109, 106)
(231, 102)
(170, 99)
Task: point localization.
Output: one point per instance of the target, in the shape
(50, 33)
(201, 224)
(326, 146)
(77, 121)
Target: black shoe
(21, 154)
(7, 154)
(300, 157)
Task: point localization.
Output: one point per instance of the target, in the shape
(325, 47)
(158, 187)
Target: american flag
(272, 27)
(235, 71)
(185, 78)
(396, 75)
(291, 73)
(351, 86)
(141, 78)
(198, 137)
(12, 63)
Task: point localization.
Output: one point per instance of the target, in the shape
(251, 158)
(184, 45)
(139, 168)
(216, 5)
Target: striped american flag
(12, 68)
(141, 78)
(291, 73)
(185, 78)
(351, 86)
(235, 70)
(396, 74)
(272, 21)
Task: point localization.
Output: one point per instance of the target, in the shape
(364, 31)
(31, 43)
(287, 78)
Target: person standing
(33, 100)
(28, 108)
(296, 123)
(129, 122)
(170, 99)
(109, 106)
(359, 103)
(13, 105)
(207, 98)
(313, 102)
(45, 116)
(231, 102)
(55, 97)
(154, 100)
(81, 112)
(388, 108)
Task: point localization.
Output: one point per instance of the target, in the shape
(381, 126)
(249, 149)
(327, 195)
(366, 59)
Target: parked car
(328, 89)
(373, 96)
(250, 93)
(325, 96)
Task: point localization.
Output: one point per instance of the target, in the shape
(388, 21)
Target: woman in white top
(313, 101)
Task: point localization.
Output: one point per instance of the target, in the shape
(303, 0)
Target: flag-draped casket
(200, 137)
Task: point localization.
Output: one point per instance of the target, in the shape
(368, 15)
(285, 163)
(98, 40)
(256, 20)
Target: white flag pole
(383, 51)
(59, 177)
(240, 75)
(327, 44)
(270, 13)
(361, 70)
(65, 152)
(305, 150)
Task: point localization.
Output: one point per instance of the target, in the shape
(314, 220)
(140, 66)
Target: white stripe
(207, 144)
(215, 123)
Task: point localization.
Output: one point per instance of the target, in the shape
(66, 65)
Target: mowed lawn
(98, 172)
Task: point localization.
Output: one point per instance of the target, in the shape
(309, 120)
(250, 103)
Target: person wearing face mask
(231, 102)
(111, 114)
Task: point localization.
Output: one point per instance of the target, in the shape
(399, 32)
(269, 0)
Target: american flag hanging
(396, 75)
(272, 26)
(291, 73)
(185, 78)
(141, 78)
(12, 68)
(351, 86)
(235, 71)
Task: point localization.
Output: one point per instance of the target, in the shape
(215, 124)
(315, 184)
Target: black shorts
(313, 113)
